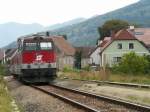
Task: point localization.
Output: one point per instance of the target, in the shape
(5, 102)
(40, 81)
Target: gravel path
(132, 94)
(32, 100)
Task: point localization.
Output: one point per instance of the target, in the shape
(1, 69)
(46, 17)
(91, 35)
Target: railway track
(116, 83)
(68, 100)
(91, 102)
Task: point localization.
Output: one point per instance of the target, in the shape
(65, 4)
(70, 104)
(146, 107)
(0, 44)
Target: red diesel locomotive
(35, 60)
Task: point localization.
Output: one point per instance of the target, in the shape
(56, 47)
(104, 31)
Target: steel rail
(131, 105)
(72, 102)
(115, 83)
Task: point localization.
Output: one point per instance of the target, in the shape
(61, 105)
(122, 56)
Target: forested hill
(86, 33)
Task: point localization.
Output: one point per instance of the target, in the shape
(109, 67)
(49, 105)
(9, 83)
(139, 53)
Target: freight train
(34, 60)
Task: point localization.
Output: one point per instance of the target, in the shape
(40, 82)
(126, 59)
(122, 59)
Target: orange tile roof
(64, 45)
(124, 35)
(120, 35)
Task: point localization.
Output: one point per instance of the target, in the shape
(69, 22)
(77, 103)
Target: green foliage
(78, 59)
(86, 68)
(69, 69)
(2, 70)
(112, 25)
(147, 57)
(132, 64)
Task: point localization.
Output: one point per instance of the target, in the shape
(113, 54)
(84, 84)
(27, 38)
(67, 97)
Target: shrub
(2, 70)
(86, 68)
(132, 63)
(69, 69)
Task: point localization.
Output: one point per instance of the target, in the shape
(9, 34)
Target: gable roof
(120, 35)
(63, 45)
(124, 35)
(106, 39)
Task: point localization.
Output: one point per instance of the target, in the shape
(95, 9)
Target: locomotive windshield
(30, 46)
(45, 45)
(37, 46)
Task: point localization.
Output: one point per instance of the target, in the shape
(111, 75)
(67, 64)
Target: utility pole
(4, 57)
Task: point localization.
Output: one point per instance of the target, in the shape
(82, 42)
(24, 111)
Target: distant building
(121, 43)
(142, 34)
(85, 55)
(65, 52)
(94, 55)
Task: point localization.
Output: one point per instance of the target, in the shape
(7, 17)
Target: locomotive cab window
(30, 46)
(46, 45)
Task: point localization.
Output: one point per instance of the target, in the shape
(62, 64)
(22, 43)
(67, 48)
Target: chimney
(132, 29)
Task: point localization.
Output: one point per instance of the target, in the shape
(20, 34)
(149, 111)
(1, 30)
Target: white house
(94, 55)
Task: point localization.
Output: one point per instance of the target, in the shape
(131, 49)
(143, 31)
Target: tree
(47, 34)
(65, 37)
(78, 59)
(132, 63)
(111, 25)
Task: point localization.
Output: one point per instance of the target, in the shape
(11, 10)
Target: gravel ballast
(31, 100)
(137, 95)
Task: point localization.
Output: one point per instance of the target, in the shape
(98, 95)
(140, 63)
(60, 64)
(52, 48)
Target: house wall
(65, 61)
(85, 62)
(94, 57)
(112, 51)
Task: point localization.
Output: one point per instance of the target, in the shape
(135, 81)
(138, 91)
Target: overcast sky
(47, 12)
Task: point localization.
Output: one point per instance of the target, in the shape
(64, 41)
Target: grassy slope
(108, 76)
(5, 98)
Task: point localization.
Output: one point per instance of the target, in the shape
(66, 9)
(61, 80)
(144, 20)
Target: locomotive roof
(59, 41)
(38, 38)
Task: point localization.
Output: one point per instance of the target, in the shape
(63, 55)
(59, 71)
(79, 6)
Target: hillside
(61, 25)
(9, 32)
(86, 32)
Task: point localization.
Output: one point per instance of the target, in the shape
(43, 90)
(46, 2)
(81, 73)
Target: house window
(116, 59)
(131, 46)
(119, 46)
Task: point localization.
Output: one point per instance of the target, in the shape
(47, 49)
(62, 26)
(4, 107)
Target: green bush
(132, 64)
(69, 69)
(2, 70)
(86, 68)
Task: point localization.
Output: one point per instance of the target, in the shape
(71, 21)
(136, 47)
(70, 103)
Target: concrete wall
(85, 62)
